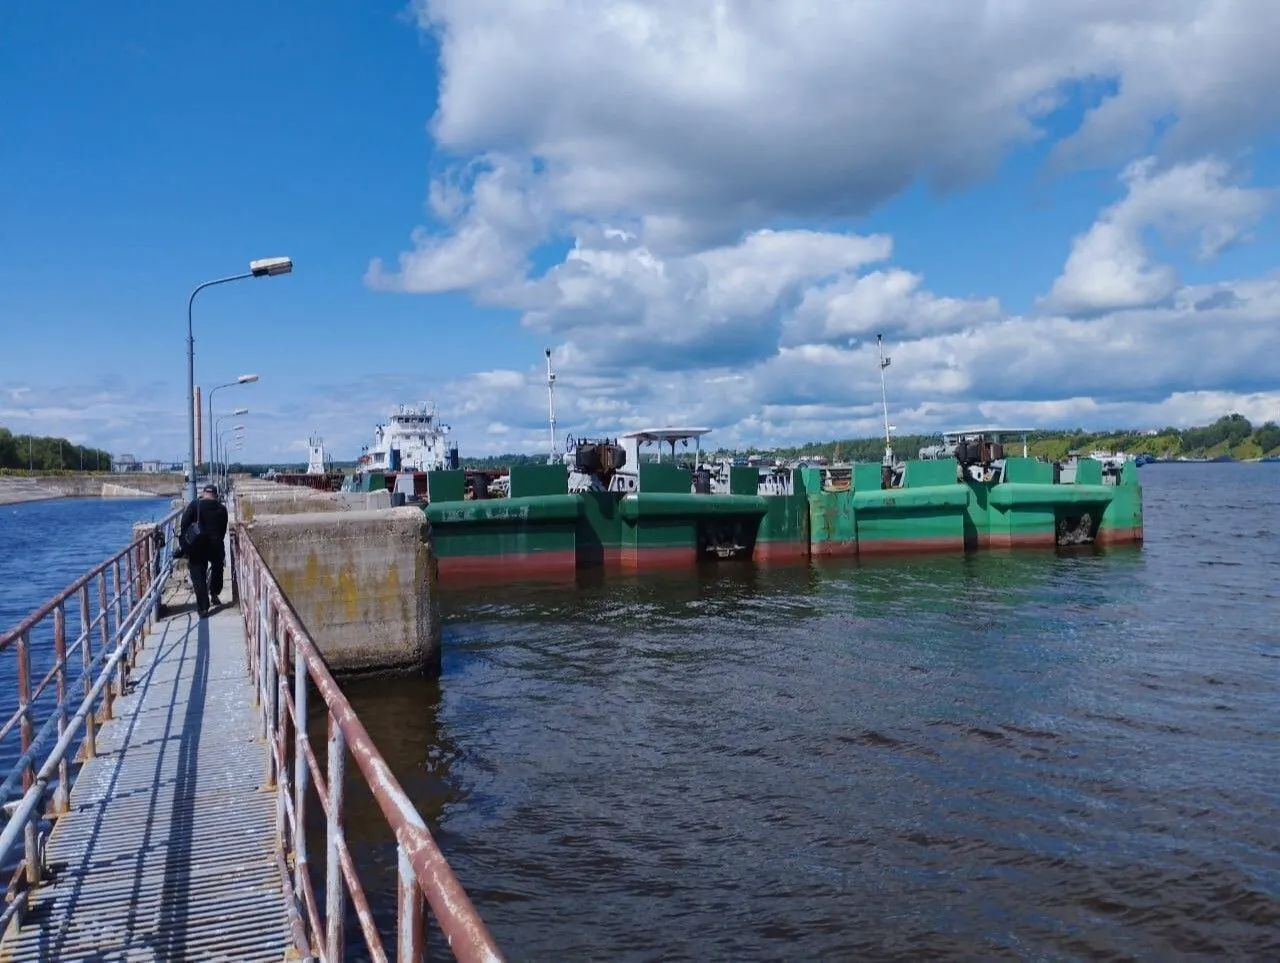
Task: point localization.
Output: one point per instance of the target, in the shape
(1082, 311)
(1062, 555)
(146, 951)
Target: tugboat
(411, 443)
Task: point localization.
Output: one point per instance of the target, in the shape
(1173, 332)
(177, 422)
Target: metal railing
(128, 587)
(285, 665)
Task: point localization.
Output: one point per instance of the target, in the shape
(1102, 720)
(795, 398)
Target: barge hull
(543, 531)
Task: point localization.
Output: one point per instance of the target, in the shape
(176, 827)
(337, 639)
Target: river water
(1030, 755)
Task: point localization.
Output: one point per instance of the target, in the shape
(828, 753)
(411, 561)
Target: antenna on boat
(551, 408)
(884, 398)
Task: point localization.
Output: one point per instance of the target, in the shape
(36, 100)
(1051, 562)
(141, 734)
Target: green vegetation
(503, 461)
(21, 453)
(1232, 435)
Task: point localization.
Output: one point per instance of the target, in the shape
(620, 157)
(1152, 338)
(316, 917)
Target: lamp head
(269, 267)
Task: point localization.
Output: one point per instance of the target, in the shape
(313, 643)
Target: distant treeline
(49, 454)
(1231, 434)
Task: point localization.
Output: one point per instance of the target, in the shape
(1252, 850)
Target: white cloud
(699, 119)
(1109, 266)
(492, 216)
(618, 302)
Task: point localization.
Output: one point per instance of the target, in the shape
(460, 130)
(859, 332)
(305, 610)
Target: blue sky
(697, 214)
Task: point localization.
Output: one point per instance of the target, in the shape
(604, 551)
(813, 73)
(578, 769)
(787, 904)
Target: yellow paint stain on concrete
(398, 593)
(348, 591)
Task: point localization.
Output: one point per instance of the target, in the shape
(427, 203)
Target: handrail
(139, 572)
(277, 647)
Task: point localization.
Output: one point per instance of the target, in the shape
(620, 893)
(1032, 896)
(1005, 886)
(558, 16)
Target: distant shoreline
(22, 498)
(20, 489)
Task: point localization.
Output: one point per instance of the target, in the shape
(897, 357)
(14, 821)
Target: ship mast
(551, 408)
(884, 399)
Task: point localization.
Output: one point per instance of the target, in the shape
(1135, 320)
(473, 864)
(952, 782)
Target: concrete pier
(362, 582)
(169, 850)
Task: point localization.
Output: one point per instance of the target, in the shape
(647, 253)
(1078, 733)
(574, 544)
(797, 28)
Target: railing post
(61, 796)
(90, 747)
(29, 769)
(301, 773)
(124, 605)
(263, 643)
(259, 617)
(146, 580)
(117, 603)
(411, 918)
(334, 889)
(125, 665)
(106, 639)
(279, 759)
(270, 708)
(132, 580)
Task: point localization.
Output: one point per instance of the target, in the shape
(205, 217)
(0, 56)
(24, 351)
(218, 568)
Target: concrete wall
(363, 501)
(253, 500)
(110, 490)
(90, 486)
(19, 488)
(363, 583)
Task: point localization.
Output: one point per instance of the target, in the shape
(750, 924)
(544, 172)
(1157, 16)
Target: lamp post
(214, 440)
(238, 438)
(222, 445)
(242, 380)
(263, 268)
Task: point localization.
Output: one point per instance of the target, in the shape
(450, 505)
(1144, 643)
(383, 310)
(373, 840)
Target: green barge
(607, 508)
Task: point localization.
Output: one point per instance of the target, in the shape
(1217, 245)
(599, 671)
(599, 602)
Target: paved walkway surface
(169, 850)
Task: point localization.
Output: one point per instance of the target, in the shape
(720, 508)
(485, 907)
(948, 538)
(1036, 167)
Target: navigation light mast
(884, 398)
(551, 408)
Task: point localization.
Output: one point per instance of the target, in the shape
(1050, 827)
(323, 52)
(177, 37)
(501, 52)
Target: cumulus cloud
(1109, 266)
(699, 119)
(617, 302)
(492, 216)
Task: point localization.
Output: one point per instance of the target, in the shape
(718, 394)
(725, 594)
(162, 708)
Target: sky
(1058, 213)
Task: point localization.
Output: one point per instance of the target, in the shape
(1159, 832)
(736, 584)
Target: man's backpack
(194, 535)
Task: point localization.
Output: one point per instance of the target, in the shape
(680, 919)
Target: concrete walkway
(169, 851)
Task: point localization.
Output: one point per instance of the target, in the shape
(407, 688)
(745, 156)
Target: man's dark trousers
(206, 567)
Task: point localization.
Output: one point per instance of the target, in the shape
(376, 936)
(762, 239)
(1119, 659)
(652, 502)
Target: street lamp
(215, 448)
(242, 380)
(222, 444)
(264, 267)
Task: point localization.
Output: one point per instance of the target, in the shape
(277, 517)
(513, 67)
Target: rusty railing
(285, 664)
(128, 587)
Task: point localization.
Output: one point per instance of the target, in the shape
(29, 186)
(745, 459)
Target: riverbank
(16, 489)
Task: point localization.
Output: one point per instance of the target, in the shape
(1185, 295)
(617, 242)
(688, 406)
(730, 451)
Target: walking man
(201, 535)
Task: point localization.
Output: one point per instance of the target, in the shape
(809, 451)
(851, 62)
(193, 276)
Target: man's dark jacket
(213, 525)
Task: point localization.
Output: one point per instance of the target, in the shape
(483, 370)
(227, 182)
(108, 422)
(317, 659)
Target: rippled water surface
(1071, 756)
(44, 546)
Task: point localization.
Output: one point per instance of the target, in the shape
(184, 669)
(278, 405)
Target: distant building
(154, 467)
(124, 463)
